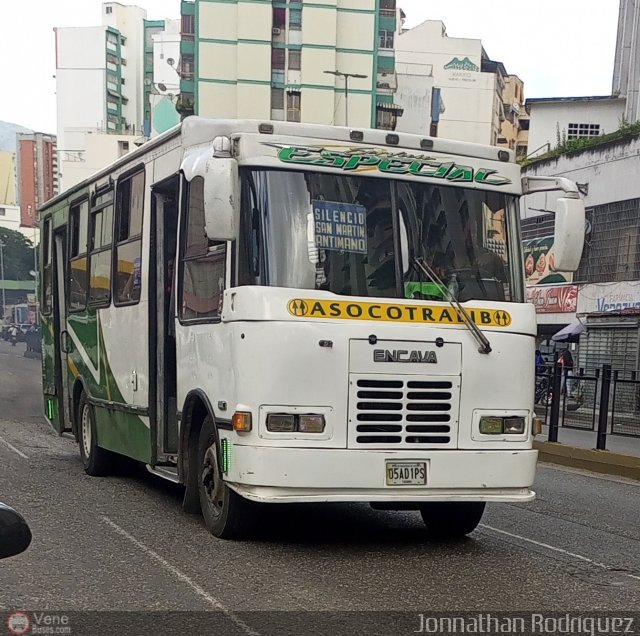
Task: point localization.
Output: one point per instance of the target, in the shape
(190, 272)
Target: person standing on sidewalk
(566, 367)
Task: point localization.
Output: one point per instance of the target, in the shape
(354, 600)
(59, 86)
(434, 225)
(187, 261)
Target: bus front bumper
(299, 475)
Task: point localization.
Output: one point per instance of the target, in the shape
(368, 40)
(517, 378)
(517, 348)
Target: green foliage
(17, 255)
(566, 146)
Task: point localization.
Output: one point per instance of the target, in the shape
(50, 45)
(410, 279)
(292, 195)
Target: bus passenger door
(162, 395)
(62, 340)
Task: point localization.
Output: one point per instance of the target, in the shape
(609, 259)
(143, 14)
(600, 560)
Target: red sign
(553, 300)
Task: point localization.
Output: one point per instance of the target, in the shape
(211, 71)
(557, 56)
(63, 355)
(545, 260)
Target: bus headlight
(491, 425)
(502, 425)
(285, 423)
(278, 423)
(514, 425)
(311, 423)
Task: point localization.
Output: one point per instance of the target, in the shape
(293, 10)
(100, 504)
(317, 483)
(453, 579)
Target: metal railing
(602, 400)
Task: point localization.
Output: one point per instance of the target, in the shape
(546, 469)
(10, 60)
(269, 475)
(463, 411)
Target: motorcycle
(544, 391)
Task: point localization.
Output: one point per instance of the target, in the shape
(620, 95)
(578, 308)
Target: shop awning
(570, 333)
(399, 110)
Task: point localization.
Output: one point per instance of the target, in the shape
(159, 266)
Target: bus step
(166, 472)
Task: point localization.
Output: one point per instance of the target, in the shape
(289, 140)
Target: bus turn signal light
(241, 422)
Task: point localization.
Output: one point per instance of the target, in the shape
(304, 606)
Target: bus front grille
(403, 411)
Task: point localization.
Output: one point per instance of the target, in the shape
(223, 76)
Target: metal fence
(599, 400)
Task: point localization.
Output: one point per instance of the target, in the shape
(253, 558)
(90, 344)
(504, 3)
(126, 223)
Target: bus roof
(196, 131)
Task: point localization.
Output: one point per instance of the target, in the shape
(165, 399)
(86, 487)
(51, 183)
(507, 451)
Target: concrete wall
(610, 172)
(100, 150)
(547, 118)
(415, 84)
(467, 93)
(80, 84)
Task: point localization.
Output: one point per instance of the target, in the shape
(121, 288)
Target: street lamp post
(35, 250)
(4, 302)
(346, 89)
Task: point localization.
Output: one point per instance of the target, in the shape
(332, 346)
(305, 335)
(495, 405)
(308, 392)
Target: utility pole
(346, 89)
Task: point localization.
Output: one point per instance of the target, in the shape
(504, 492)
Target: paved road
(123, 543)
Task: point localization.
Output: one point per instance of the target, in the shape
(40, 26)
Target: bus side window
(127, 283)
(47, 270)
(203, 267)
(78, 274)
(100, 246)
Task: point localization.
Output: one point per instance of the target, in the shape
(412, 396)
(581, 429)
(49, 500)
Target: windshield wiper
(485, 345)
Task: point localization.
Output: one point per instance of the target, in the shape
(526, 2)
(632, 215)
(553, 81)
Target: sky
(557, 47)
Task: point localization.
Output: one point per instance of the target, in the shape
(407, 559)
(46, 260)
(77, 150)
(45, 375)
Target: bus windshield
(360, 236)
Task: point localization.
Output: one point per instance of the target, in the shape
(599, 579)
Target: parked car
(15, 534)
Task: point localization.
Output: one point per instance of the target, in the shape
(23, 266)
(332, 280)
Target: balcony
(387, 83)
(388, 8)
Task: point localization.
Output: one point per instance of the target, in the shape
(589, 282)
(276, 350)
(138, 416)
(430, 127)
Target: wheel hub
(86, 431)
(211, 481)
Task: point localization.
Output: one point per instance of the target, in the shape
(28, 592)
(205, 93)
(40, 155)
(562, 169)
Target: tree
(17, 255)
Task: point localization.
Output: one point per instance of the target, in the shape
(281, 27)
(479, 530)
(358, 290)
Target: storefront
(611, 314)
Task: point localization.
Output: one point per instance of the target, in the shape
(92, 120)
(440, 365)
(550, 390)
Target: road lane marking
(560, 550)
(214, 602)
(13, 448)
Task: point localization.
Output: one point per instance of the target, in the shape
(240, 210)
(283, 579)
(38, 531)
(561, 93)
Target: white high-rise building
(626, 70)
(104, 88)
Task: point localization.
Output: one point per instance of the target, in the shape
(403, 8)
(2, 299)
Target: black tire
(97, 461)
(226, 514)
(451, 519)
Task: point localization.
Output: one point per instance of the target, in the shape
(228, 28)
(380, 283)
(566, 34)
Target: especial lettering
(359, 159)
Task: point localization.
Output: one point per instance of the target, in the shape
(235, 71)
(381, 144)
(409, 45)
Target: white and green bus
(275, 312)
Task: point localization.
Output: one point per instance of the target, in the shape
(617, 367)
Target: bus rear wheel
(226, 514)
(447, 520)
(97, 461)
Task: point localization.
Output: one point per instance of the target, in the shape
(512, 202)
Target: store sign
(539, 257)
(604, 297)
(554, 300)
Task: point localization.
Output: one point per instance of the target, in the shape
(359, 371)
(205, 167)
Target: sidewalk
(587, 439)
(576, 448)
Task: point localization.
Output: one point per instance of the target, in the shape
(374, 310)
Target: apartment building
(37, 174)
(161, 75)
(317, 61)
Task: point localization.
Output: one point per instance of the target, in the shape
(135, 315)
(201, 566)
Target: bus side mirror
(222, 199)
(569, 234)
(15, 535)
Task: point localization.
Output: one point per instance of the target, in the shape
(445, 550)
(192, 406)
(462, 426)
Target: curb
(597, 461)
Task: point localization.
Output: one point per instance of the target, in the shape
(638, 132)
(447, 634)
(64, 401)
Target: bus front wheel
(97, 461)
(226, 514)
(451, 519)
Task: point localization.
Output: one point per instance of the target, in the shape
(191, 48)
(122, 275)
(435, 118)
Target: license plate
(406, 473)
